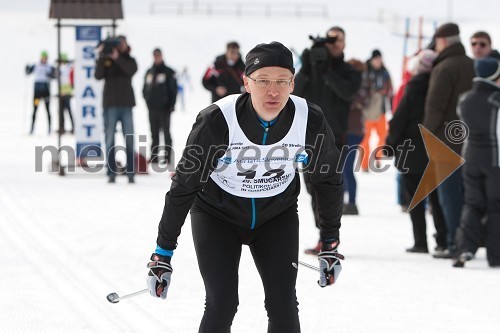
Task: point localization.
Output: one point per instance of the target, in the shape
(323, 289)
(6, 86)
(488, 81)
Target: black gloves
(329, 263)
(160, 273)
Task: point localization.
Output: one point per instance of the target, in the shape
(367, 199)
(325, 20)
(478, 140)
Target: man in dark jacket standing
(160, 93)
(326, 80)
(117, 67)
(480, 110)
(224, 76)
(451, 76)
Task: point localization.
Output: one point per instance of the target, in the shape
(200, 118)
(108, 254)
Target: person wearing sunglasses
(239, 177)
(480, 43)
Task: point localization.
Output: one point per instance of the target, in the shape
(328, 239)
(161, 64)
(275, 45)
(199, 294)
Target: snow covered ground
(67, 242)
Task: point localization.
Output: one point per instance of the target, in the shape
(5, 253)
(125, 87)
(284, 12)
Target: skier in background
(67, 83)
(183, 83)
(43, 73)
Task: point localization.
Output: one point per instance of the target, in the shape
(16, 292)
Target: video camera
(318, 51)
(109, 44)
(322, 40)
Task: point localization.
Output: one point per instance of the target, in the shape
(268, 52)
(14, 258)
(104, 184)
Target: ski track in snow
(67, 273)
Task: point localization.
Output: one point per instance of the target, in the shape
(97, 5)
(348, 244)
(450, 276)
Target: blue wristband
(162, 252)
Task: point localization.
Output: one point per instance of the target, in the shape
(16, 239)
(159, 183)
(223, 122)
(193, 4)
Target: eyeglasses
(263, 83)
(481, 44)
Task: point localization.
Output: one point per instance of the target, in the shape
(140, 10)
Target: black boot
(418, 249)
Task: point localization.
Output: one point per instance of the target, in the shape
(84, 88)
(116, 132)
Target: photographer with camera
(116, 67)
(326, 80)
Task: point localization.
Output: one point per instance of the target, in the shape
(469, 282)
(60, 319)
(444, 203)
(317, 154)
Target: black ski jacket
(208, 141)
(160, 88)
(225, 75)
(404, 126)
(117, 74)
(332, 84)
(479, 108)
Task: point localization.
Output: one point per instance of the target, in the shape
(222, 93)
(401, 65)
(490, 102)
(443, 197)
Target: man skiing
(238, 176)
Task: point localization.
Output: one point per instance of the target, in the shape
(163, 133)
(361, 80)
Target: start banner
(87, 94)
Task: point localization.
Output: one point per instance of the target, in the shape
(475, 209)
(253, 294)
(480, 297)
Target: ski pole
(314, 268)
(114, 298)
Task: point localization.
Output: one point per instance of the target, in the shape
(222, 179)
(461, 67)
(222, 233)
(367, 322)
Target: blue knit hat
(487, 68)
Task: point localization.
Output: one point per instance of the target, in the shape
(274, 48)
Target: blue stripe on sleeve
(162, 252)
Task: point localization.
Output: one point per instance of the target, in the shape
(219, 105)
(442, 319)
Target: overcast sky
(439, 10)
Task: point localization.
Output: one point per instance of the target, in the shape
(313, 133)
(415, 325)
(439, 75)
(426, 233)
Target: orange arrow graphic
(443, 161)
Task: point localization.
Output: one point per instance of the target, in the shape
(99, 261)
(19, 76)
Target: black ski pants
(482, 204)
(274, 247)
(66, 106)
(42, 93)
(417, 214)
(159, 119)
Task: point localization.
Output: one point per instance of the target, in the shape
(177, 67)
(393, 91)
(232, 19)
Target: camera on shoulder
(318, 50)
(109, 44)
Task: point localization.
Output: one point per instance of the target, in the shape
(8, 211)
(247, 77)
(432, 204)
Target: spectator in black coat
(117, 69)
(224, 76)
(412, 163)
(479, 108)
(326, 80)
(160, 93)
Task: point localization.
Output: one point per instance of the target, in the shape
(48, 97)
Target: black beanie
(488, 68)
(273, 54)
(376, 53)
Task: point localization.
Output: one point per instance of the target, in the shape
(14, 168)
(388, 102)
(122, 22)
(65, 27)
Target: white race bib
(258, 171)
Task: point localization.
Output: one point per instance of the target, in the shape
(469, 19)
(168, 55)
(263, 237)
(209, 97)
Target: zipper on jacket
(266, 125)
(254, 217)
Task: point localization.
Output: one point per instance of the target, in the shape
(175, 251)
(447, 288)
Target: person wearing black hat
(451, 75)
(238, 176)
(160, 93)
(479, 108)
